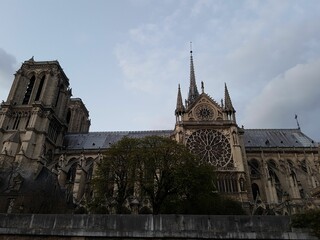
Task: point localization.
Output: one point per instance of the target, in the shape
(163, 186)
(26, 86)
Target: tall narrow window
(28, 91)
(16, 122)
(68, 116)
(40, 88)
(255, 190)
(27, 123)
(58, 96)
(71, 176)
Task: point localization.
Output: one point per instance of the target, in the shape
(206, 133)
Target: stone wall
(29, 226)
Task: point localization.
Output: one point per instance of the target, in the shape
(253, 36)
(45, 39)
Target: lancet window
(40, 88)
(28, 91)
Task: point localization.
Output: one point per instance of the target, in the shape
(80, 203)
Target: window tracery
(211, 146)
(254, 168)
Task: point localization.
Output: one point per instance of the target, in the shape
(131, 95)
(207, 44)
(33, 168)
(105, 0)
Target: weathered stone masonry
(147, 227)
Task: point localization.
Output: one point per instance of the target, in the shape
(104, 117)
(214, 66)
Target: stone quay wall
(63, 226)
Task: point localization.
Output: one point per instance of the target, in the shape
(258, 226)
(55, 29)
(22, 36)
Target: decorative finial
(202, 86)
(191, 47)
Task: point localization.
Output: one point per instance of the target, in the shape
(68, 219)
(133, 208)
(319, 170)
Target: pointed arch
(29, 89)
(255, 190)
(71, 175)
(254, 168)
(40, 88)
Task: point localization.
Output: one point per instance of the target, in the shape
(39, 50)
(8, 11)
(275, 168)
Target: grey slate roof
(253, 138)
(277, 138)
(103, 140)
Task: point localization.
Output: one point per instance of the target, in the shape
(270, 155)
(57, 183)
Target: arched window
(255, 190)
(228, 183)
(272, 164)
(254, 168)
(89, 167)
(58, 95)
(28, 91)
(68, 116)
(294, 178)
(17, 120)
(291, 164)
(72, 173)
(40, 88)
(272, 167)
(304, 166)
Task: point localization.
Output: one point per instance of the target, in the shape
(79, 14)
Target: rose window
(211, 146)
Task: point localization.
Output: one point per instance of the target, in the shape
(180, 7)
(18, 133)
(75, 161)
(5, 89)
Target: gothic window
(291, 165)
(227, 184)
(272, 168)
(204, 112)
(89, 169)
(241, 182)
(81, 124)
(272, 164)
(304, 166)
(255, 190)
(211, 146)
(28, 91)
(28, 120)
(294, 178)
(68, 116)
(58, 96)
(53, 130)
(40, 88)
(89, 173)
(72, 173)
(254, 168)
(16, 121)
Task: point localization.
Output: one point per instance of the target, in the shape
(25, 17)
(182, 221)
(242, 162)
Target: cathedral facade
(48, 156)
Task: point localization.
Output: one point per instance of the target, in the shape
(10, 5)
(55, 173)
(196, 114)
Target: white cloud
(294, 92)
(244, 43)
(7, 68)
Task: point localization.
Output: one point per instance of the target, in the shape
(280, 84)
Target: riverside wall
(76, 227)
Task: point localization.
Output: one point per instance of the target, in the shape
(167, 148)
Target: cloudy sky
(125, 58)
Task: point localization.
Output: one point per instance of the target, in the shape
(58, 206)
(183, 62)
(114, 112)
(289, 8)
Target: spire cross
(190, 47)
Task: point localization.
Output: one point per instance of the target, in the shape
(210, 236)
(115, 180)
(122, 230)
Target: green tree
(309, 219)
(161, 161)
(163, 171)
(115, 176)
(197, 192)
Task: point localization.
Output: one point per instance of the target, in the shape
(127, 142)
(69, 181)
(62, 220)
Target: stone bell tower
(33, 120)
(210, 131)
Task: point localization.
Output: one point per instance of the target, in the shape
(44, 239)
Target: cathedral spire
(193, 90)
(227, 100)
(180, 108)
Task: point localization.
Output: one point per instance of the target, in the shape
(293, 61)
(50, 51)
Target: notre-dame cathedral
(48, 156)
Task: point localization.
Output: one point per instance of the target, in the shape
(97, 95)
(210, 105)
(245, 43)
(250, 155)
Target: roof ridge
(129, 131)
(291, 129)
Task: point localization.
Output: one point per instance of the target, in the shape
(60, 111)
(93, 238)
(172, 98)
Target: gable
(204, 109)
